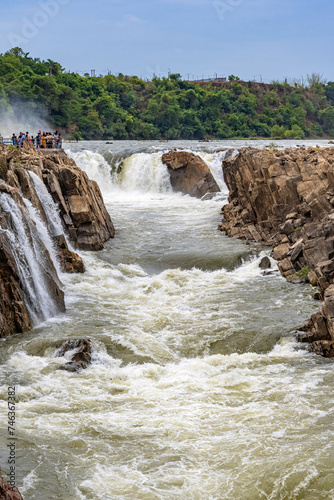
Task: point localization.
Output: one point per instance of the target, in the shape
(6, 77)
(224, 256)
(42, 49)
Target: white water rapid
(198, 389)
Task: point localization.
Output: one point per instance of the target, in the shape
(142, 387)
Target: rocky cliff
(189, 174)
(47, 206)
(286, 199)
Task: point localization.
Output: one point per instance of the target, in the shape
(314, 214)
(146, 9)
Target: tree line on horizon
(126, 107)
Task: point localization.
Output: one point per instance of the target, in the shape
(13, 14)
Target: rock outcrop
(30, 287)
(285, 199)
(189, 174)
(81, 358)
(79, 199)
(51, 190)
(8, 492)
(14, 315)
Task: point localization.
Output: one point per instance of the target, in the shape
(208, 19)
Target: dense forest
(124, 107)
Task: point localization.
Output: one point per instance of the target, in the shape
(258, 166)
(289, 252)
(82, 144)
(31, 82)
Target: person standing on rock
(38, 140)
(22, 139)
(43, 141)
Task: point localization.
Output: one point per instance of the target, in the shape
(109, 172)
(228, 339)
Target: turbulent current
(198, 389)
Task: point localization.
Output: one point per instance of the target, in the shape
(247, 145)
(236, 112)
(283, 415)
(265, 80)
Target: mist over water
(22, 117)
(198, 389)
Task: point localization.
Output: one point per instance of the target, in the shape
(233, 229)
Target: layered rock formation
(51, 192)
(189, 174)
(286, 200)
(78, 198)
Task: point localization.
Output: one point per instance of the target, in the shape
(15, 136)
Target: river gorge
(197, 387)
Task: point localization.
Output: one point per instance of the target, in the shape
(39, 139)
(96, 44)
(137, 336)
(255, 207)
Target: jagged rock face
(29, 284)
(79, 198)
(14, 316)
(286, 199)
(33, 186)
(189, 174)
(81, 357)
(8, 492)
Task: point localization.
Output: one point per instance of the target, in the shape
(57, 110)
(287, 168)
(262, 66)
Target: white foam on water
(95, 166)
(145, 172)
(198, 428)
(197, 387)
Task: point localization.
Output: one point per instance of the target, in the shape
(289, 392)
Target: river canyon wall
(48, 208)
(286, 200)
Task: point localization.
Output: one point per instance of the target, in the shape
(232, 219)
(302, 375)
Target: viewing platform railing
(8, 140)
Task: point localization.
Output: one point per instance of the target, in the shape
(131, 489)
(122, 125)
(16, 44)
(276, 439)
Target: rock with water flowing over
(189, 174)
(30, 286)
(79, 199)
(46, 204)
(8, 492)
(286, 199)
(80, 354)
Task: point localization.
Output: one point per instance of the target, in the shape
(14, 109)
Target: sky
(260, 40)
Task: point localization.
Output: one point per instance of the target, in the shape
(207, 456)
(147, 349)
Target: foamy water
(197, 389)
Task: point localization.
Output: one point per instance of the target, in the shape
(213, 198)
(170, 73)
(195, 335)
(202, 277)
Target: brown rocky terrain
(189, 174)
(8, 492)
(84, 218)
(79, 198)
(286, 200)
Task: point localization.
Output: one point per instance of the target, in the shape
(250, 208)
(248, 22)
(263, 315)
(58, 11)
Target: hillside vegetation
(123, 107)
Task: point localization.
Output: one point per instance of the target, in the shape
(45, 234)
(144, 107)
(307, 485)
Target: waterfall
(145, 172)
(35, 268)
(141, 172)
(50, 209)
(43, 233)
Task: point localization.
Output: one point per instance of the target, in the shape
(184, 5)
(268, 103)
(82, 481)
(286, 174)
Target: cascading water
(198, 389)
(32, 261)
(43, 233)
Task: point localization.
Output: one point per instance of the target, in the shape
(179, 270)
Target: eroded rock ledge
(78, 198)
(286, 200)
(83, 217)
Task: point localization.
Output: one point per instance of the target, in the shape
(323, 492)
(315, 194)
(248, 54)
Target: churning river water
(198, 389)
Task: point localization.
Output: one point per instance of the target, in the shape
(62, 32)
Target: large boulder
(189, 174)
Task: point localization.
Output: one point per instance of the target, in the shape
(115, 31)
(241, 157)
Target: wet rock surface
(83, 217)
(79, 199)
(285, 199)
(189, 174)
(81, 358)
(8, 492)
(18, 303)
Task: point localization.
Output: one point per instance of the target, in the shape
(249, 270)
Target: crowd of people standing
(45, 140)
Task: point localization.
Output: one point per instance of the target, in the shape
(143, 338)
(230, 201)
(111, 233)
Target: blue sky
(268, 39)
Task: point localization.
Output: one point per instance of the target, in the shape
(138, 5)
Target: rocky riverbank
(285, 199)
(43, 194)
